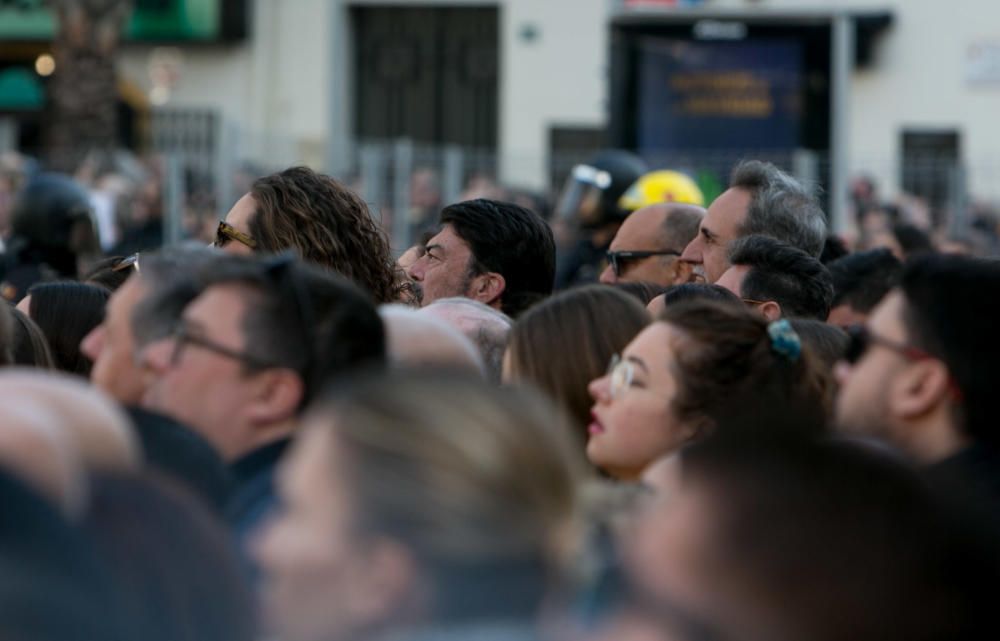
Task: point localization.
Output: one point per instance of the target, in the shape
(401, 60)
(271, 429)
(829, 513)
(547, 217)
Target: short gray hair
(171, 276)
(780, 207)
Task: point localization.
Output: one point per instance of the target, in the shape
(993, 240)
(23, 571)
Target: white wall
(273, 86)
(919, 81)
(559, 78)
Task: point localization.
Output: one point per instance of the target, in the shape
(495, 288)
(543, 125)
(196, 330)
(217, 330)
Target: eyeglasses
(182, 336)
(128, 261)
(861, 339)
(226, 232)
(620, 374)
(617, 259)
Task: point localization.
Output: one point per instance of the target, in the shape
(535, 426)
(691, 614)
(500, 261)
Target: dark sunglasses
(617, 259)
(226, 232)
(128, 261)
(860, 339)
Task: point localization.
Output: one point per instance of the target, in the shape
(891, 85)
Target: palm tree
(82, 107)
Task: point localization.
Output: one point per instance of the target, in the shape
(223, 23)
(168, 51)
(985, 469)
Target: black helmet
(51, 222)
(592, 190)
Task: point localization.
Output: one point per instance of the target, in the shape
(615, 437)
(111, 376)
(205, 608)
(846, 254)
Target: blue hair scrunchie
(784, 340)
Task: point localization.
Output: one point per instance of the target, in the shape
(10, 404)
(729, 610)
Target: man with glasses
(247, 355)
(648, 245)
(135, 316)
(922, 373)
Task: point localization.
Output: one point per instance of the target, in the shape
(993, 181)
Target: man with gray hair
(486, 327)
(143, 309)
(761, 199)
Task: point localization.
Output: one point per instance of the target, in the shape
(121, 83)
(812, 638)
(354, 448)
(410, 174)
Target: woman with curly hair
(322, 220)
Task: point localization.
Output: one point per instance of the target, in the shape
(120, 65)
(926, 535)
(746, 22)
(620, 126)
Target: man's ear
(487, 288)
(770, 310)
(920, 388)
(277, 394)
(384, 582)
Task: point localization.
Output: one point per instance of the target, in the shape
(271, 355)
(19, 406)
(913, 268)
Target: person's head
(29, 346)
(497, 253)
(417, 341)
(860, 282)
(761, 199)
(323, 221)
(421, 501)
(42, 454)
(923, 369)
(113, 346)
(649, 244)
(486, 327)
(777, 279)
(912, 240)
(258, 341)
(112, 272)
(178, 573)
(562, 344)
(52, 217)
(691, 291)
(827, 342)
(826, 541)
(66, 312)
(689, 373)
(101, 434)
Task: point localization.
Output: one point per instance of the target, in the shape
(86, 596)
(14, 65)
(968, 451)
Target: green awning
(20, 90)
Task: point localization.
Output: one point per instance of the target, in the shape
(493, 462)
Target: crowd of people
(643, 420)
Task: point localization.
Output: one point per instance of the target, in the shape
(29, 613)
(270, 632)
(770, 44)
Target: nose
(93, 342)
(692, 253)
(416, 271)
(608, 276)
(600, 389)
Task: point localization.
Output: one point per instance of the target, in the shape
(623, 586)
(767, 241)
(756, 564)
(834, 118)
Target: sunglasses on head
(618, 259)
(128, 261)
(225, 233)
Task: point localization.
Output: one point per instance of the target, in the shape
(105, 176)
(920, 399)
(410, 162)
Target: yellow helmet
(663, 186)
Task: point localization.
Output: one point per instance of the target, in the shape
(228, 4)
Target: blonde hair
(479, 483)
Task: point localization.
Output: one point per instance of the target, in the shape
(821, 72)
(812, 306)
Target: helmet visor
(581, 194)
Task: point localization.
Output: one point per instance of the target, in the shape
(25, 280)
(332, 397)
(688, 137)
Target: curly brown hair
(326, 223)
(728, 372)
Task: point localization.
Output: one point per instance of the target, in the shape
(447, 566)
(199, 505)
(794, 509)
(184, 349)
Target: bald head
(100, 432)
(420, 340)
(487, 328)
(663, 227)
(34, 449)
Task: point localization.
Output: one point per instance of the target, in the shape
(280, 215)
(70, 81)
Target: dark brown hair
(326, 223)
(727, 369)
(564, 343)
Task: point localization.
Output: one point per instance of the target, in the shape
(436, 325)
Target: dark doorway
(428, 74)
(930, 165)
